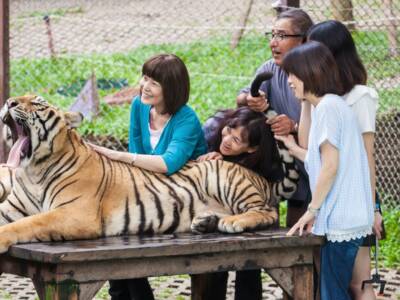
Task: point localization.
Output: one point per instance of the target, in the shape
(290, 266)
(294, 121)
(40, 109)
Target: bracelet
(134, 157)
(312, 210)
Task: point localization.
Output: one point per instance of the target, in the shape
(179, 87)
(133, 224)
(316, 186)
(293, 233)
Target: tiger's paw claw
(231, 224)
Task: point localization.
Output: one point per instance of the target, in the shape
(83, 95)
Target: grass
(217, 74)
(4, 295)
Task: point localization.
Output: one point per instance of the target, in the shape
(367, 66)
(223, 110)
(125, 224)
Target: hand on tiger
(305, 222)
(210, 156)
(281, 125)
(259, 103)
(105, 151)
(288, 140)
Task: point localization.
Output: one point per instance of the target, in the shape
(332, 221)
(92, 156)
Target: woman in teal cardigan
(181, 139)
(164, 133)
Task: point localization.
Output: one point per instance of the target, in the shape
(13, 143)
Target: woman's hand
(281, 125)
(112, 154)
(294, 149)
(288, 140)
(210, 156)
(306, 221)
(377, 228)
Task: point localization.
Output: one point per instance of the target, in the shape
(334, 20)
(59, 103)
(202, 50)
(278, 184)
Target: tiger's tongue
(14, 157)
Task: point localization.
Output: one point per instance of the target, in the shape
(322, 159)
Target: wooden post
(4, 66)
(391, 25)
(237, 35)
(282, 5)
(49, 36)
(342, 10)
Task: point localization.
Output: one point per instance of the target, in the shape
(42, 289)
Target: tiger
(57, 188)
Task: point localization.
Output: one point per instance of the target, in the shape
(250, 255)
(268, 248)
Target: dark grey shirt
(283, 101)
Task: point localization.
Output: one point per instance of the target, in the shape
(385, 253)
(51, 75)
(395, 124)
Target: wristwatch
(312, 210)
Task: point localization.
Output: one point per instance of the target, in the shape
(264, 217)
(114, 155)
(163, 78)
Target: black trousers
(248, 285)
(131, 289)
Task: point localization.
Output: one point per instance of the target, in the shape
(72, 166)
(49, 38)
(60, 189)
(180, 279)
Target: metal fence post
(4, 65)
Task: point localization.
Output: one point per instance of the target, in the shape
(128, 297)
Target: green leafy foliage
(390, 247)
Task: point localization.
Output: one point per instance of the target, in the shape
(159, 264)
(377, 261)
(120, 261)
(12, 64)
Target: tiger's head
(34, 124)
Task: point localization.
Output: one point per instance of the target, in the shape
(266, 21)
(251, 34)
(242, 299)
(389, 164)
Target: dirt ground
(88, 26)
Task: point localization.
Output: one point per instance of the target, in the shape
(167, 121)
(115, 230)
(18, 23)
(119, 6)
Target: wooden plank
(155, 266)
(4, 66)
(158, 245)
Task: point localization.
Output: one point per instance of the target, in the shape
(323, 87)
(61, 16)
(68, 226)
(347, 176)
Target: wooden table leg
(67, 290)
(303, 285)
(296, 282)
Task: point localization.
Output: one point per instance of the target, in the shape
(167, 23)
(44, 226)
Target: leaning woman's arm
(327, 175)
(369, 138)
(187, 139)
(329, 166)
(153, 163)
(304, 124)
(292, 146)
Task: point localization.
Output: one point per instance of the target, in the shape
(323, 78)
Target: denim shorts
(337, 262)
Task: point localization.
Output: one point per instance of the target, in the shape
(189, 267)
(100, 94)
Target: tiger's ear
(73, 119)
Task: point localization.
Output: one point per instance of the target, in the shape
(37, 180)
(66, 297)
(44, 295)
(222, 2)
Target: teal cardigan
(181, 140)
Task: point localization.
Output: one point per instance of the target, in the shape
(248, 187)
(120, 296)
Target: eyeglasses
(281, 36)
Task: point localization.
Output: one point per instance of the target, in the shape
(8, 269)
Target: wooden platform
(77, 269)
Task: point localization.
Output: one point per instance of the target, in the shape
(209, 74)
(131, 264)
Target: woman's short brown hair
(170, 71)
(313, 63)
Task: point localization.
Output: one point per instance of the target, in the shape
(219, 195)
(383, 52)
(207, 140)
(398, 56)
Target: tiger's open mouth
(22, 146)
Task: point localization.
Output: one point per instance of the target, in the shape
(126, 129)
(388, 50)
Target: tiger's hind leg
(249, 220)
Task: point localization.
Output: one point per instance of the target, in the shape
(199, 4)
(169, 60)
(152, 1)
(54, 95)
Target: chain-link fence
(56, 45)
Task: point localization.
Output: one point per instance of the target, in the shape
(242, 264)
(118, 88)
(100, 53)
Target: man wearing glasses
(289, 31)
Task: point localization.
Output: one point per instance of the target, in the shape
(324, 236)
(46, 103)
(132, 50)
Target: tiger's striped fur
(63, 190)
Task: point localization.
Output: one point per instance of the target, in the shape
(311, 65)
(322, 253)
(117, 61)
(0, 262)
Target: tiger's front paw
(231, 224)
(204, 223)
(6, 241)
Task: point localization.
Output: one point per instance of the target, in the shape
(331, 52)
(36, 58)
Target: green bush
(390, 247)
